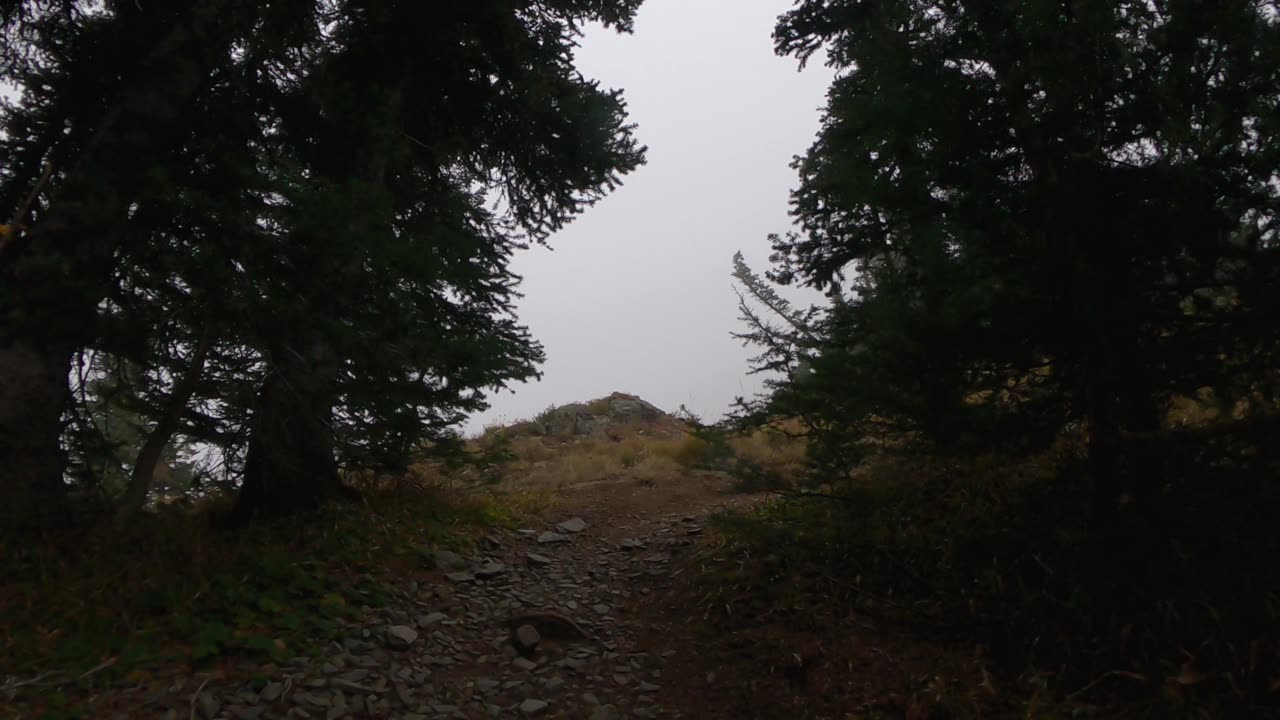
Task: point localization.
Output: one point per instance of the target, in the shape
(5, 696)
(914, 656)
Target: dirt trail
(551, 620)
(734, 655)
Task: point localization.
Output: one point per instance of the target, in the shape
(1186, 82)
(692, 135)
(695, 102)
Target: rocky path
(541, 622)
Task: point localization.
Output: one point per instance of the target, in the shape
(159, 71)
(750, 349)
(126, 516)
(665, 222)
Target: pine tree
(1037, 201)
(312, 269)
(106, 93)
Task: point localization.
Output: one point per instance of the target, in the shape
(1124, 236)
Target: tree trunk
(1126, 476)
(33, 392)
(53, 277)
(291, 464)
(144, 467)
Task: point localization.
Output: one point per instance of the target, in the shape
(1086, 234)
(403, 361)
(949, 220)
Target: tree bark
(53, 277)
(33, 392)
(291, 464)
(144, 467)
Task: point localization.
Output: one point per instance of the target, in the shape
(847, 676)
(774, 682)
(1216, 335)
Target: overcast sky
(636, 295)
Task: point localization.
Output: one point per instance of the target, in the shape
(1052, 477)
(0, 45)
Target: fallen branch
(100, 666)
(1105, 676)
(196, 697)
(38, 681)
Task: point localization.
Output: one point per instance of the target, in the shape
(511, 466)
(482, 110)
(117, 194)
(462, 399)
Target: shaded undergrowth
(1174, 614)
(170, 593)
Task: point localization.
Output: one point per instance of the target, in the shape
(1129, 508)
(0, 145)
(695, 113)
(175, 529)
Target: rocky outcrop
(598, 417)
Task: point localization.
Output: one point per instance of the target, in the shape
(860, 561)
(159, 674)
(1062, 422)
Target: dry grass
(780, 448)
(552, 463)
(538, 468)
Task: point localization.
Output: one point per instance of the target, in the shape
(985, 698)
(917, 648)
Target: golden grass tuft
(559, 463)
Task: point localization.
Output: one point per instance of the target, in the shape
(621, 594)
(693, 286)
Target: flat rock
(208, 706)
(606, 712)
(401, 636)
(549, 537)
(448, 560)
(572, 525)
(491, 571)
(550, 625)
(271, 692)
(536, 559)
(431, 619)
(533, 707)
(461, 577)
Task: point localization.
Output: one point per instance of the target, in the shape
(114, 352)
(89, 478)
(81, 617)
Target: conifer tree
(1046, 212)
(333, 212)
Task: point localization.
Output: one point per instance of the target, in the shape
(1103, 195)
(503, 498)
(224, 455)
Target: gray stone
(526, 638)
(271, 692)
(448, 560)
(208, 706)
(549, 537)
(536, 559)
(533, 707)
(606, 712)
(431, 619)
(523, 664)
(572, 525)
(461, 577)
(401, 636)
(310, 699)
(550, 625)
(491, 571)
